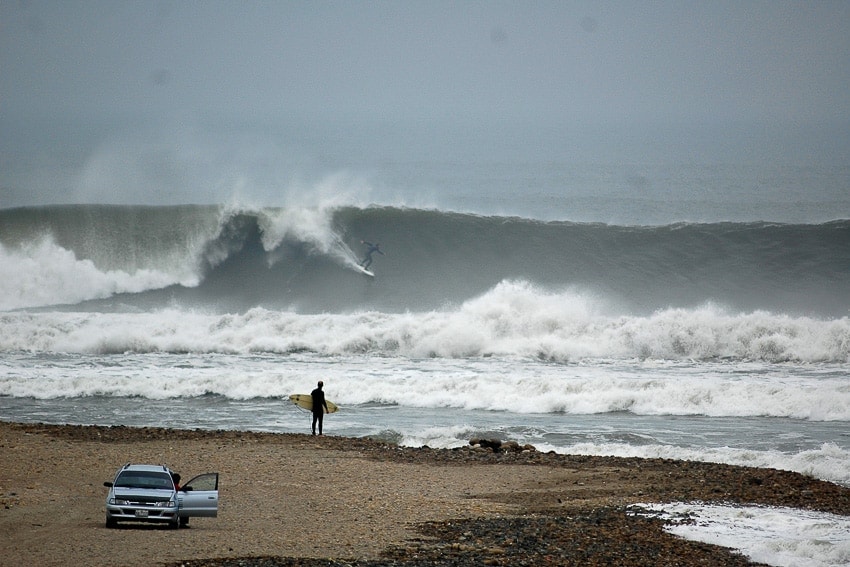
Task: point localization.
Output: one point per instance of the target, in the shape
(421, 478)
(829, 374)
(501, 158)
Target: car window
(208, 481)
(141, 479)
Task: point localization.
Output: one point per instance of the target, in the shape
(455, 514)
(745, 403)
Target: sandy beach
(298, 499)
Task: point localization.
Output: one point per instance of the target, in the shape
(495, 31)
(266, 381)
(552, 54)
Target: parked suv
(147, 493)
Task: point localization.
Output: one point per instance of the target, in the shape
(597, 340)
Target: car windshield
(142, 479)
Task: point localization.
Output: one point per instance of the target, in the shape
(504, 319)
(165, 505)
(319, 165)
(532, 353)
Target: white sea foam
(510, 382)
(437, 437)
(311, 225)
(43, 273)
(514, 319)
(828, 461)
(775, 536)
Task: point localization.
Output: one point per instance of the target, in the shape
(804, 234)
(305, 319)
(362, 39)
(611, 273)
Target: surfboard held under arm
(306, 401)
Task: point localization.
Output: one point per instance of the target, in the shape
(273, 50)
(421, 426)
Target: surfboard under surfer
(372, 248)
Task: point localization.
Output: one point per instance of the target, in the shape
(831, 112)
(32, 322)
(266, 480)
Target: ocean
(723, 339)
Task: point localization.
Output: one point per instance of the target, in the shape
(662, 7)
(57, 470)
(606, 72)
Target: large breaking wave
(301, 259)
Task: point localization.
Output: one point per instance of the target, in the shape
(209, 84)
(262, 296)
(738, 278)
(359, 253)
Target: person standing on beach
(320, 406)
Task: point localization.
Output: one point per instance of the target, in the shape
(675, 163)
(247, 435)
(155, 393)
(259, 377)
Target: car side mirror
(108, 484)
(186, 489)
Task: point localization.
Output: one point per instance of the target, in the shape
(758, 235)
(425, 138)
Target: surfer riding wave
(372, 248)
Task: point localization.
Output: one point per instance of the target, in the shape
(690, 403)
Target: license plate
(141, 513)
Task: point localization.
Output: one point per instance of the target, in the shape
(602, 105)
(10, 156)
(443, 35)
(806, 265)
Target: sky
(88, 82)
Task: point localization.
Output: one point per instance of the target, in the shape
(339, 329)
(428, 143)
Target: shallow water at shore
(783, 537)
(442, 403)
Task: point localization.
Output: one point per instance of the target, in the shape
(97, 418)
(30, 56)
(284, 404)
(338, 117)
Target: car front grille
(145, 501)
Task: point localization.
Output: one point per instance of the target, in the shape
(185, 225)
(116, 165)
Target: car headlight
(169, 504)
(118, 502)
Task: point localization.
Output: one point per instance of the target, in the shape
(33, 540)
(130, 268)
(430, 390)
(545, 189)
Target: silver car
(148, 493)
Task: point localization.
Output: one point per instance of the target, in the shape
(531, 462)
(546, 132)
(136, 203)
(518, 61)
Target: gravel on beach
(289, 499)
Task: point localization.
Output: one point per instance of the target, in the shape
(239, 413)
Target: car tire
(111, 523)
(184, 522)
(174, 524)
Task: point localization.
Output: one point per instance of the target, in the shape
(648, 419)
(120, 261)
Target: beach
(288, 499)
(617, 237)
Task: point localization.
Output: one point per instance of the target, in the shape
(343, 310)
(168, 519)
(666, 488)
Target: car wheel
(174, 524)
(184, 522)
(110, 523)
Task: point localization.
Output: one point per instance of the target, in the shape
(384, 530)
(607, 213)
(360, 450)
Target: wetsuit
(367, 261)
(320, 406)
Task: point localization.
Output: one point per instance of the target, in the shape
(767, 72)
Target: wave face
(104, 258)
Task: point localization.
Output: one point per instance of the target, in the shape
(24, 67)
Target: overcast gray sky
(608, 60)
(72, 69)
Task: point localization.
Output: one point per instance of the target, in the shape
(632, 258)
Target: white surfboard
(345, 253)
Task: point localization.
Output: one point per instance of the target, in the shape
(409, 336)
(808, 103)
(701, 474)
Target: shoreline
(293, 499)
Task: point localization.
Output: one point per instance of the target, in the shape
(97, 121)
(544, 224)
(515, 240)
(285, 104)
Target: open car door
(199, 497)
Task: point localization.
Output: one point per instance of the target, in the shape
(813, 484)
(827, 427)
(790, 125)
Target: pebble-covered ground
(487, 504)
